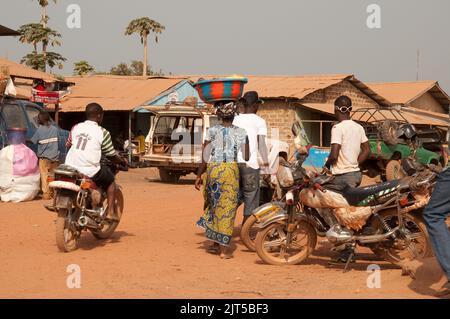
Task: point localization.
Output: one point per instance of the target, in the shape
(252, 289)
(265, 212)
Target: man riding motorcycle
(88, 142)
(349, 148)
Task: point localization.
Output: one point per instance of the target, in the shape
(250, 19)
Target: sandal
(213, 249)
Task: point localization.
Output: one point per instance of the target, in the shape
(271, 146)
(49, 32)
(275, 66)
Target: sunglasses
(343, 109)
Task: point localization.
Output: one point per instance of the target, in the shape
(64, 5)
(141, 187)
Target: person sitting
(88, 142)
(349, 148)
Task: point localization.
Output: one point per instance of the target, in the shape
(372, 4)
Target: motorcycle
(81, 206)
(276, 204)
(383, 217)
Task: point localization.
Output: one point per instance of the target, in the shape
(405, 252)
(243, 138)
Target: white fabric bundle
(19, 174)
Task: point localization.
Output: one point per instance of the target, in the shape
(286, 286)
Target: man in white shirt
(349, 148)
(256, 129)
(88, 142)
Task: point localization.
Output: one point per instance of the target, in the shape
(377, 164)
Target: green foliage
(35, 33)
(82, 68)
(135, 68)
(37, 61)
(144, 26)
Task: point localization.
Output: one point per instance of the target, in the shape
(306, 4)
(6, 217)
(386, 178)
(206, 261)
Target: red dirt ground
(157, 252)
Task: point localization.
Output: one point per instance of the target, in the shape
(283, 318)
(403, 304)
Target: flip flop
(213, 249)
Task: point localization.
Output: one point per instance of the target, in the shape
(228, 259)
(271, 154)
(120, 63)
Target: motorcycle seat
(356, 196)
(66, 170)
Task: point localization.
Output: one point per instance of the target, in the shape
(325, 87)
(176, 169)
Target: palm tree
(35, 33)
(144, 26)
(82, 68)
(44, 17)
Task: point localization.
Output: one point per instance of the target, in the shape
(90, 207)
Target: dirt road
(157, 252)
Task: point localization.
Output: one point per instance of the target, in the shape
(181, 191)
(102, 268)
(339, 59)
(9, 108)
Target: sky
(261, 37)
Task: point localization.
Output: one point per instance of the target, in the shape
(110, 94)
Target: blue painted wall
(317, 157)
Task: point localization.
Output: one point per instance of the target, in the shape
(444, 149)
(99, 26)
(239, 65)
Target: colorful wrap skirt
(221, 193)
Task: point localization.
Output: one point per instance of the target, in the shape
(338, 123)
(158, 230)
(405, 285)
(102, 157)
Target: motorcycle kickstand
(349, 259)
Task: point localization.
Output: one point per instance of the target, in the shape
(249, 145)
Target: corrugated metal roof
(299, 87)
(22, 71)
(406, 92)
(115, 93)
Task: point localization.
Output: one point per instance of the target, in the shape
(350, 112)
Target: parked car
(23, 114)
(174, 142)
(392, 139)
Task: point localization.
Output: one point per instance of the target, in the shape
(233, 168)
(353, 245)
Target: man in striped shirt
(88, 142)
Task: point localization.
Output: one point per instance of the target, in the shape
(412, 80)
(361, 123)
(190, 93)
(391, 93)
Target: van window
(13, 116)
(32, 114)
(165, 125)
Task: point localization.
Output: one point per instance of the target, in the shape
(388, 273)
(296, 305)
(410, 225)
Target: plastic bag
(19, 174)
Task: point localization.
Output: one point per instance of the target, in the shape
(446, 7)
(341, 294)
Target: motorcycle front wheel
(110, 225)
(66, 235)
(271, 243)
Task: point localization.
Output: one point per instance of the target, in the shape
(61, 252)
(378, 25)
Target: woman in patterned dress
(221, 181)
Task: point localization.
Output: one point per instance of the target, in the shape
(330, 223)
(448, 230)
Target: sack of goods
(19, 174)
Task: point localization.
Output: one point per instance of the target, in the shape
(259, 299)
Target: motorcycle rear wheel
(270, 244)
(110, 225)
(419, 247)
(66, 237)
(248, 233)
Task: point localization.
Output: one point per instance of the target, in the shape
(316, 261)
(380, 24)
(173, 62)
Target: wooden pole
(57, 113)
(129, 138)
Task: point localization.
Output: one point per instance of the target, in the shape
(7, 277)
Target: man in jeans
(349, 148)
(46, 136)
(256, 129)
(435, 215)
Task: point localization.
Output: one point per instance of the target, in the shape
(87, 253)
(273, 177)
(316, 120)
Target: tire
(297, 258)
(66, 239)
(388, 132)
(394, 170)
(413, 223)
(109, 229)
(248, 234)
(168, 176)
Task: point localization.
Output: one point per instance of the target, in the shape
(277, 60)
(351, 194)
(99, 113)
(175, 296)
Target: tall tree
(144, 26)
(35, 33)
(44, 17)
(82, 68)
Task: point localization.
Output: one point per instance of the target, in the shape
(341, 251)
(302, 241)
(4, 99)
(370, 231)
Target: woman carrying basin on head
(222, 144)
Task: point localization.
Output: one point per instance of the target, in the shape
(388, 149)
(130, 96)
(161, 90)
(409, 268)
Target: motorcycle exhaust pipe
(375, 238)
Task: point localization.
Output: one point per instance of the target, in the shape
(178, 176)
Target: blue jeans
(250, 180)
(435, 215)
